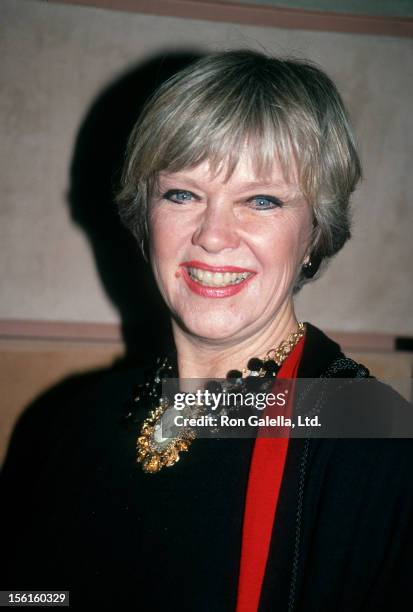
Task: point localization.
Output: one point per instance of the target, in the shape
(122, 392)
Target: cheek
(157, 247)
(156, 229)
(162, 240)
(283, 249)
(166, 231)
(166, 251)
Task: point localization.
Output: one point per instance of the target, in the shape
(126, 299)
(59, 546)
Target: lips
(202, 266)
(215, 281)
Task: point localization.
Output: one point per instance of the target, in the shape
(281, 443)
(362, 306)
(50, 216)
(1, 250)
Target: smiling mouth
(217, 279)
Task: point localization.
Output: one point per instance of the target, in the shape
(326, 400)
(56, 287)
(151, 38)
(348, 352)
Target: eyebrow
(245, 186)
(255, 184)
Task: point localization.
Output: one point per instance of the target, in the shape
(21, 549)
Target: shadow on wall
(95, 172)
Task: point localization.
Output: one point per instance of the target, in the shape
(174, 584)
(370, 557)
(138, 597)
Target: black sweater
(80, 515)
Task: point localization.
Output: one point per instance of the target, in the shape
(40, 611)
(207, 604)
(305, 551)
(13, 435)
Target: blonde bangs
(220, 136)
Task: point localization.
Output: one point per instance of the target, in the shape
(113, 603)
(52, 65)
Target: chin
(221, 329)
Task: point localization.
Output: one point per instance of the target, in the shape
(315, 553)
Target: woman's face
(225, 255)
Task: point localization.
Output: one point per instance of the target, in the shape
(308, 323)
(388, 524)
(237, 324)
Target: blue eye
(264, 202)
(178, 195)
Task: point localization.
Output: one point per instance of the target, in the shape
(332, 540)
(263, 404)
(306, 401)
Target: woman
(236, 184)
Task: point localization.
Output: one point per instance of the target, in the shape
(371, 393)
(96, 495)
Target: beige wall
(56, 62)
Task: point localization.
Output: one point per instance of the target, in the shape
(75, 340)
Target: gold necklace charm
(154, 456)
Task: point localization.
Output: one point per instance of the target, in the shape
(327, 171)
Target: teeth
(217, 279)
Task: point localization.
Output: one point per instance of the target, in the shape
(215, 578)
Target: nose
(217, 228)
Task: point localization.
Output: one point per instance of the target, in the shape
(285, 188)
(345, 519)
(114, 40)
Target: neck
(204, 358)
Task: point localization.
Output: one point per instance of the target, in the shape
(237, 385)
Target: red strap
(264, 483)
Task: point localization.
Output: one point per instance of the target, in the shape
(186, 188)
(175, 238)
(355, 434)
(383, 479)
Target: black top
(81, 515)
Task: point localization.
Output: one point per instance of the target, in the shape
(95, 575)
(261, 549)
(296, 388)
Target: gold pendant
(154, 456)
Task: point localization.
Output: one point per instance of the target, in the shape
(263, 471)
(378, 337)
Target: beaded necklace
(155, 452)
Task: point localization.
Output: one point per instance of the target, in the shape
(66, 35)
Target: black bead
(271, 367)
(234, 375)
(253, 383)
(213, 386)
(255, 364)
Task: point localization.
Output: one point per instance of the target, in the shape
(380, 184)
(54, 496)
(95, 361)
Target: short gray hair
(284, 108)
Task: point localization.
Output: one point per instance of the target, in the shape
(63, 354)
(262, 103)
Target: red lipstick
(213, 292)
